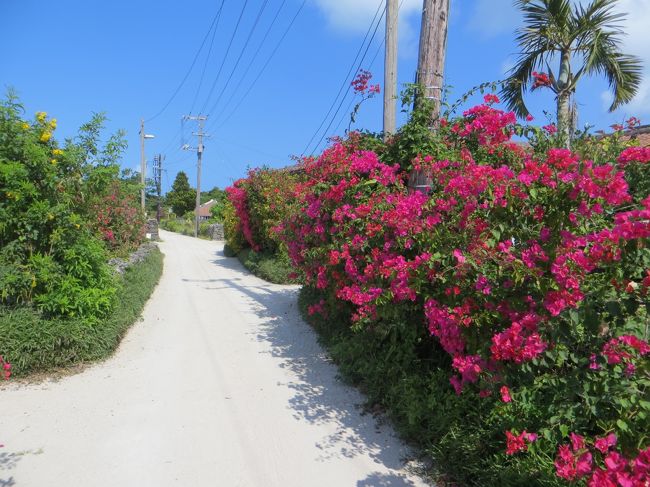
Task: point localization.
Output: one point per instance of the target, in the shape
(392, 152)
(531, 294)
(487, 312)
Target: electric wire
(342, 100)
(241, 54)
(268, 60)
(346, 79)
(240, 83)
(207, 58)
(223, 61)
(187, 74)
(372, 63)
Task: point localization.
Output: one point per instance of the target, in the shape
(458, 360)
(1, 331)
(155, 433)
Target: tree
(182, 197)
(557, 31)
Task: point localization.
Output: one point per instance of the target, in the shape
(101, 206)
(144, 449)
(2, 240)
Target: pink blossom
(505, 394)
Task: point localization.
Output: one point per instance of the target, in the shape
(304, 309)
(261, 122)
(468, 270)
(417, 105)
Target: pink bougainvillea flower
(505, 394)
(517, 443)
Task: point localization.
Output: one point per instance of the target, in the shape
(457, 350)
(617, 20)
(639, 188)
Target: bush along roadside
(501, 316)
(272, 267)
(254, 208)
(33, 342)
(65, 210)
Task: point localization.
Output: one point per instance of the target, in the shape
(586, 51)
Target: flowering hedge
(259, 202)
(118, 219)
(531, 270)
(528, 267)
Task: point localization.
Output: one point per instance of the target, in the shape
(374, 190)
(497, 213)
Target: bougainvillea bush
(261, 201)
(118, 219)
(529, 270)
(255, 206)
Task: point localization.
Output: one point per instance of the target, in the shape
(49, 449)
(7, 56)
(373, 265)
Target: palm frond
(518, 80)
(595, 19)
(623, 73)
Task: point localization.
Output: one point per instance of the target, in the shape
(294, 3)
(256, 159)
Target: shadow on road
(318, 396)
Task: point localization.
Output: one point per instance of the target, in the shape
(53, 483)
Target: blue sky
(126, 58)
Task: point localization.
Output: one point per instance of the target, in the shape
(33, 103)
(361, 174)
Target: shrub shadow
(318, 395)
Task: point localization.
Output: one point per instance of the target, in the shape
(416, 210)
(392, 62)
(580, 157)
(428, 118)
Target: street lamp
(143, 164)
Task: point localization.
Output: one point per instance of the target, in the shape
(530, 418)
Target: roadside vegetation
(65, 210)
(499, 311)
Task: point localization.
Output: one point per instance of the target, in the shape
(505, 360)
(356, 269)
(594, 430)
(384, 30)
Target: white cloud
(637, 41)
(490, 18)
(355, 15)
(606, 99)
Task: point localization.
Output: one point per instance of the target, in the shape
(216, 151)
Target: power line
(342, 100)
(259, 75)
(234, 33)
(346, 79)
(207, 58)
(250, 64)
(241, 54)
(196, 56)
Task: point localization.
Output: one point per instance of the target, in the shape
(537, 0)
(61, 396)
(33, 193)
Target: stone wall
(152, 229)
(120, 265)
(215, 231)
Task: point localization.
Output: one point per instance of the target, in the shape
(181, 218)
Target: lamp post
(143, 164)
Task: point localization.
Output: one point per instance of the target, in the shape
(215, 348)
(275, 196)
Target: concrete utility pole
(157, 176)
(199, 152)
(433, 47)
(143, 163)
(390, 68)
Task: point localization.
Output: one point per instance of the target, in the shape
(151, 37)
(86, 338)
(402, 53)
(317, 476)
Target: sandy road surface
(221, 384)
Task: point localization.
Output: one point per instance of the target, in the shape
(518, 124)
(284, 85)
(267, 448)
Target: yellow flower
(33, 281)
(41, 116)
(57, 152)
(24, 125)
(77, 225)
(53, 161)
(46, 136)
(53, 123)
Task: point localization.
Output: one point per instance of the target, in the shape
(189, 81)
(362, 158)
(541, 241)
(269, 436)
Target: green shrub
(228, 251)
(32, 342)
(272, 267)
(51, 255)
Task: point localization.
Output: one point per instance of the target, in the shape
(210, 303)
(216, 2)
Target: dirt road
(221, 384)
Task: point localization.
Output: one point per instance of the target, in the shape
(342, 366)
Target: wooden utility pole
(433, 47)
(390, 68)
(199, 152)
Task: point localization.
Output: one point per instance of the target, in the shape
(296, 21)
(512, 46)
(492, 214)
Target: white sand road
(221, 384)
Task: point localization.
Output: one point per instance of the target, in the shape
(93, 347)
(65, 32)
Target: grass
(268, 266)
(34, 344)
(185, 227)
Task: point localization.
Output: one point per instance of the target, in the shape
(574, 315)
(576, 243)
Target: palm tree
(556, 30)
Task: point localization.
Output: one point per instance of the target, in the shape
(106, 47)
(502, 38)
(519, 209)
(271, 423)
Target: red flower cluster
(238, 197)
(360, 83)
(5, 368)
(576, 461)
(517, 443)
(541, 80)
(634, 154)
